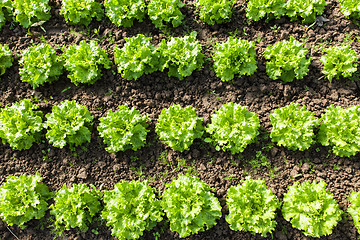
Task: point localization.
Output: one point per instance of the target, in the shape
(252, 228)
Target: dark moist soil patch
(204, 91)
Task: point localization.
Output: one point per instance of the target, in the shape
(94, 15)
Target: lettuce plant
(350, 8)
(179, 127)
(217, 11)
(235, 56)
(258, 9)
(40, 64)
(190, 206)
(339, 61)
(307, 10)
(6, 58)
(6, 12)
(69, 123)
(124, 12)
(354, 209)
(81, 11)
(20, 124)
(75, 207)
(293, 127)
(22, 199)
(28, 12)
(130, 209)
(123, 129)
(340, 129)
(85, 62)
(136, 58)
(252, 207)
(311, 208)
(232, 128)
(181, 55)
(163, 13)
(287, 60)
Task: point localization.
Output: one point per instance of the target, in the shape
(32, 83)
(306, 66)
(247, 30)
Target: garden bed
(156, 162)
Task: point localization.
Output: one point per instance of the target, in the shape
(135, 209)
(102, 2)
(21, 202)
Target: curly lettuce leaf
(339, 61)
(130, 209)
(293, 127)
(6, 12)
(179, 127)
(258, 9)
(23, 198)
(124, 12)
(40, 64)
(234, 57)
(311, 208)
(181, 55)
(232, 128)
(123, 129)
(81, 11)
(354, 209)
(215, 11)
(136, 58)
(190, 206)
(75, 207)
(68, 124)
(85, 62)
(163, 13)
(6, 58)
(28, 12)
(340, 129)
(307, 10)
(252, 207)
(287, 60)
(21, 125)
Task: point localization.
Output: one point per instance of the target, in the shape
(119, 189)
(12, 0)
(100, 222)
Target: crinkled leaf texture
(20, 125)
(136, 58)
(124, 12)
(130, 209)
(340, 129)
(6, 58)
(40, 65)
(6, 12)
(69, 123)
(162, 13)
(339, 61)
(307, 10)
(85, 62)
(293, 127)
(181, 55)
(252, 207)
(232, 128)
(23, 198)
(190, 206)
(28, 12)
(75, 207)
(350, 8)
(287, 60)
(354, 209)
(234, 57)
(179, 127)
(81, 11)
(311, 208)
(215, 11)
(258, 9)
(123, 129)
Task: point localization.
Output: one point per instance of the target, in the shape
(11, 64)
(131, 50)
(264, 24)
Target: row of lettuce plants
(164, 13)
(232, 127)
(181, 56)
(188, 203)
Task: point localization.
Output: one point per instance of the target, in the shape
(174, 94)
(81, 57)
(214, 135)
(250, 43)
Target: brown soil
(203, 90)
